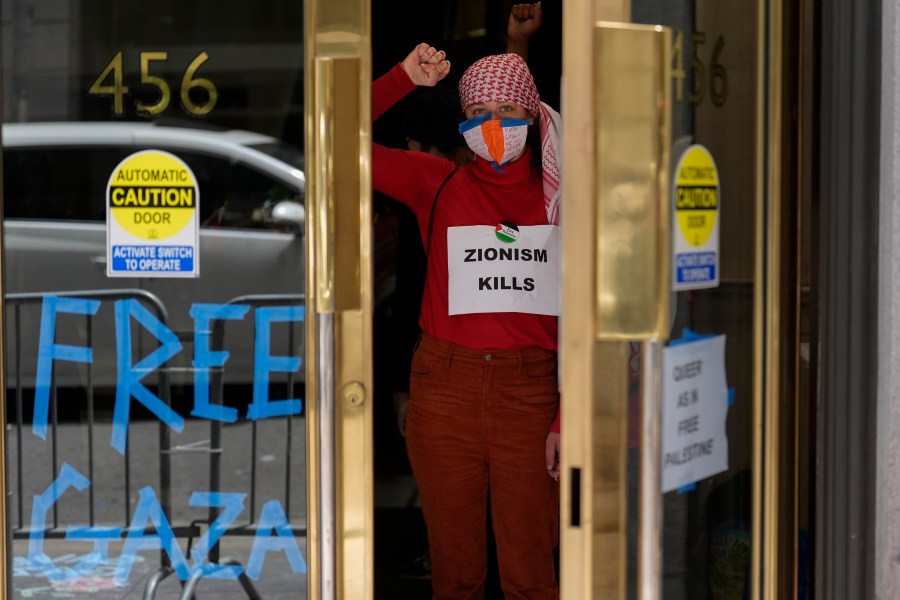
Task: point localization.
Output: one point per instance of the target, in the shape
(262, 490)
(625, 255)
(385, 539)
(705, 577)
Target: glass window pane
(707, 519)
(155, 416)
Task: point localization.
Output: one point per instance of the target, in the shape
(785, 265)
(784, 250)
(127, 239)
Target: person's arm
(400, 174)
(411, 178)
(389, 89)
(551, 450)
(524, 21)
(424, 66)
(552, 454)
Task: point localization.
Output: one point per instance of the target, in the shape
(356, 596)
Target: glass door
(708, 402)
(164, 328)
(673, 486)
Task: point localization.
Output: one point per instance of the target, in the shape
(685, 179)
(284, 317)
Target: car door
(55, 240)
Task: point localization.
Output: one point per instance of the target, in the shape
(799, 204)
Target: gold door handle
(337, 196)
(632, 84)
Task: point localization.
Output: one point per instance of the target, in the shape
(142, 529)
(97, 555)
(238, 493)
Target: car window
(288, 154)
(234, 194)
(73, 187)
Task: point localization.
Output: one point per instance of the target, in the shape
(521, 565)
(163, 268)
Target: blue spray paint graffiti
(233, 505)
(101, 536)
(148, 509)
(204, 358)
(37, 560)
(130, 375)
(265, 363)
(48, 351)
(149, 516)
(129, 383)
(150, 528)
(274, 519)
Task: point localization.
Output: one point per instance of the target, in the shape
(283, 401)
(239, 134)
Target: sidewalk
(399, 527)
(399, 536)
(276, 581)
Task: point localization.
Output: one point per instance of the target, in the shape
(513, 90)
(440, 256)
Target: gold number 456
(718, 76)
(110, 82)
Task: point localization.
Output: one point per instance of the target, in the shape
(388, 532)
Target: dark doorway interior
(466, 30)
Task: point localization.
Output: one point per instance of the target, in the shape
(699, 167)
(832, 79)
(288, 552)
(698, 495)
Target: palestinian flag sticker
(507, 232)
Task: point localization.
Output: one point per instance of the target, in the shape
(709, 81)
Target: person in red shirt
(483, 418)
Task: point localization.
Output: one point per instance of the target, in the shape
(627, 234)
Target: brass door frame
(774, 487)
(5, 547)
(339, 299)
(594, 416)
(592, 373)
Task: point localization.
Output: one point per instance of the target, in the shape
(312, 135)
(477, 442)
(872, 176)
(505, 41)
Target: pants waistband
(450, 351)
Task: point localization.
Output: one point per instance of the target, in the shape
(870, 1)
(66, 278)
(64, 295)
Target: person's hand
(552, 455)
(524, 21)
(401, 405)
(426, 65)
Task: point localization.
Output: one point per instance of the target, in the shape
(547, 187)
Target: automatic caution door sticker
(697, 200)
(152, 225)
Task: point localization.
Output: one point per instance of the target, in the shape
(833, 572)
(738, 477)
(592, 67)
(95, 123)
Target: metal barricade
(17, 302)
(211, 451)
(218, 387)
(215, 450)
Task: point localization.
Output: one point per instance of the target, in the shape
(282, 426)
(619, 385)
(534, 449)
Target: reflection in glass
(707, 525)
(156, 434)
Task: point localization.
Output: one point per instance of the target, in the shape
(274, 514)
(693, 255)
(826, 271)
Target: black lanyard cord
(431, 217)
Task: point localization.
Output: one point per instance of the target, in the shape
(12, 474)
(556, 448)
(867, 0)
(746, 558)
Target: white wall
(887, 503)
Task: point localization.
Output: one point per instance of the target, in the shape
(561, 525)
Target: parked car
(55, 177)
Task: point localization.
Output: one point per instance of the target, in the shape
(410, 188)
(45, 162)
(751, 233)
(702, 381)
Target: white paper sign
(503, 268)
(695, 407)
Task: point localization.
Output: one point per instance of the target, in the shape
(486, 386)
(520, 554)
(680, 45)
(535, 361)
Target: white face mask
(497, 141)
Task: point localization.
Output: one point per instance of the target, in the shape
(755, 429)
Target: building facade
(201, 293)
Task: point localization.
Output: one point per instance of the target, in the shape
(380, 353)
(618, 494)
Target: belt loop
(449, 356)
(520, 355)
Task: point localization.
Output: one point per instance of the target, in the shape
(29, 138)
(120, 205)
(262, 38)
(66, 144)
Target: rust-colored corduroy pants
(478, 421)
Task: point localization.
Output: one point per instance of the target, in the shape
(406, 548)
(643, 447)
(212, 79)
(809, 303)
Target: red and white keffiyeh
(506, 78)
